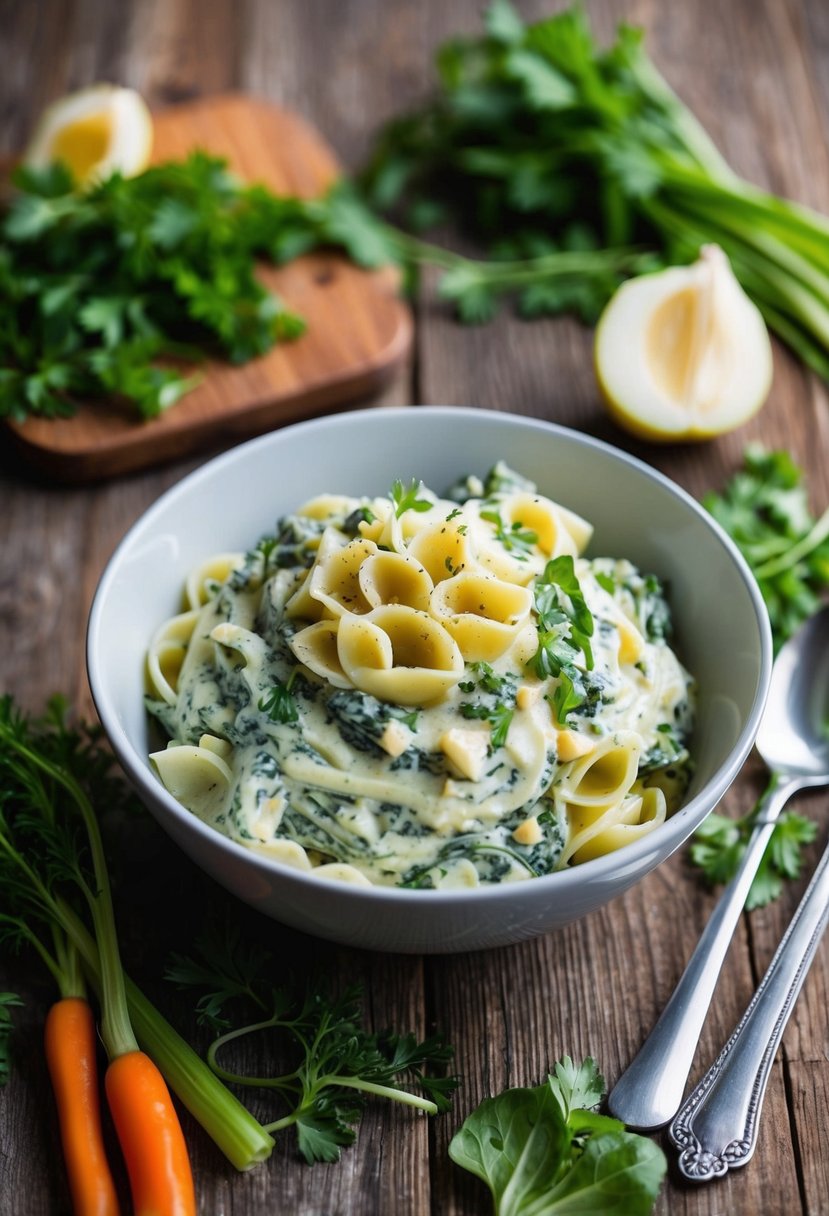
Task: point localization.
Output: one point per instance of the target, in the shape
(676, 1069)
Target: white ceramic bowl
(722, 635)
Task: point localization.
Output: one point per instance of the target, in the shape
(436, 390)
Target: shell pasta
(424, 691)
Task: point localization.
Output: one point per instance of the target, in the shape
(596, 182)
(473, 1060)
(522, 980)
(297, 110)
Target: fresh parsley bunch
(105, 292)
(547, 1150)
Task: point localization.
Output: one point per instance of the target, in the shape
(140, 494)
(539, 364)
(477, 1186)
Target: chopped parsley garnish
(516, 538)
(499, 715)
(565, 623)
(565, 626)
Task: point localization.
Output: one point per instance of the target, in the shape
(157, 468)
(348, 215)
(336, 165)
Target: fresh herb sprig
(719, 843)
(407, 497)
(546, 1149)
(516, 539)
(339, 1063)
(765, 510)
(565, 627)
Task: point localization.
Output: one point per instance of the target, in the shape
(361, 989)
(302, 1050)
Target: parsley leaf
(498, 716)
(405, 498)
(565, 623)
(545, 1149)
(719, 844)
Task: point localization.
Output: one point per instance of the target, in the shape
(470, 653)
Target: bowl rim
(599, 869)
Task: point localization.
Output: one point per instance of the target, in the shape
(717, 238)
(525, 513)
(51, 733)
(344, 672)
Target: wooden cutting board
(359, 331)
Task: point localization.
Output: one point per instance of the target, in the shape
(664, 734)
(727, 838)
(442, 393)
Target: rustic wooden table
(757, 74)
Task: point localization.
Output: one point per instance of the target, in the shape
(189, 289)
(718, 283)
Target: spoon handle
(716, 1129)
(648, 1093)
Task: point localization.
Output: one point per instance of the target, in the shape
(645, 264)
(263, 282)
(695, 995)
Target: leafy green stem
(116, 1029)
(382, 1091)
(283, 1082)
(816, 536)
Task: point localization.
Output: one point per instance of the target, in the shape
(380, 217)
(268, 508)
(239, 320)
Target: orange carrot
(70, 1043)
(150, 1136)
(146, 1121)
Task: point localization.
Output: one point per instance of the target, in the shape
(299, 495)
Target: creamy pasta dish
(424, 691)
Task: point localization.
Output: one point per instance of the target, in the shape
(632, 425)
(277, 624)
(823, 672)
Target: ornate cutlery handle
(649, 1092)
(716, 1128)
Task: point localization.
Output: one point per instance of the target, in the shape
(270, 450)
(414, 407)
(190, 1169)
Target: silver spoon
(794, 743)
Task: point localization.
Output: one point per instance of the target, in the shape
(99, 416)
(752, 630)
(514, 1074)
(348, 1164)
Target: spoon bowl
(793, 738)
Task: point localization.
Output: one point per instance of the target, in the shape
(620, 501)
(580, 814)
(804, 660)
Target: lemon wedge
(94, 133)
(683, 354)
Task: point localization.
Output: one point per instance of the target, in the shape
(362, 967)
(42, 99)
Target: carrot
(146, 1121)
(70, 1044)
(150, 1136)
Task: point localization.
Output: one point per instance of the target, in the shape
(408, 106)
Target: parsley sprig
(720, 842)
(407, 498)
(339, 1064)
(765, 509)
(565, 627)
